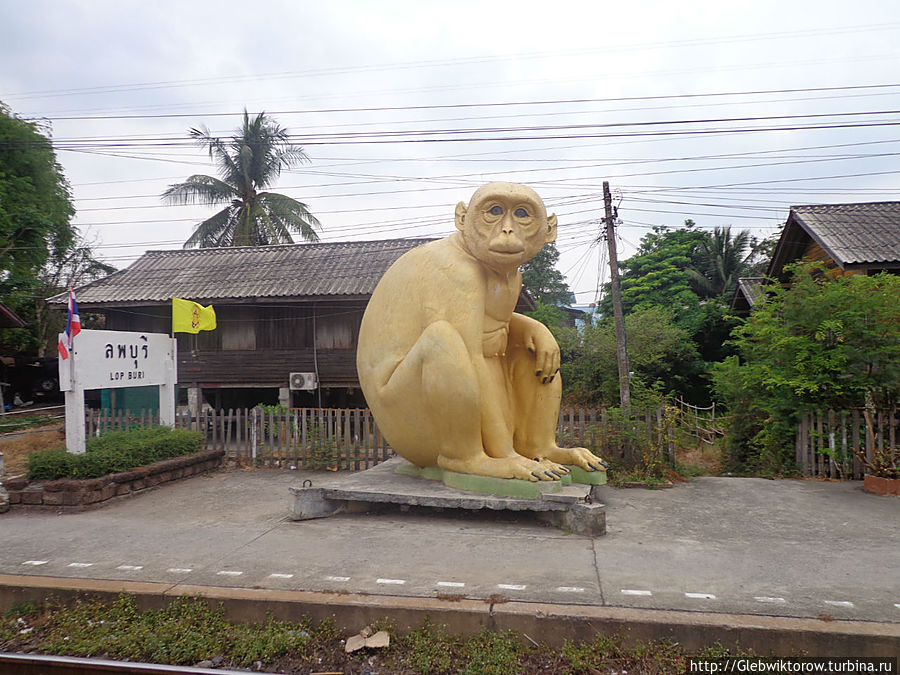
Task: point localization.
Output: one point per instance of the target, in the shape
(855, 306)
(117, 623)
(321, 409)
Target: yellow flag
(191, 317)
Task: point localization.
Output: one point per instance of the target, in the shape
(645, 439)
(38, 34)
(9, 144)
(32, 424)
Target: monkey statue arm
(537, 339)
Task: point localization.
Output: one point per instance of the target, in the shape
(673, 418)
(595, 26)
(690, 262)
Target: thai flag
(73, 326)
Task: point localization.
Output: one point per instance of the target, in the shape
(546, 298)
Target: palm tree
(248, 163)
(720, 261)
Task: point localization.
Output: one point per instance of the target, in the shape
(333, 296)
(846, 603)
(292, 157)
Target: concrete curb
(550, 624)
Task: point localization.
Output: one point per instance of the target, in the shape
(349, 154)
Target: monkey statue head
(505, 225)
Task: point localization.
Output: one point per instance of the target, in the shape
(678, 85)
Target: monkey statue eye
(521, 213)
(496, 210)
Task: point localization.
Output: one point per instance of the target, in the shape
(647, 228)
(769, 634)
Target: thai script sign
(104, 359)
(109, 358)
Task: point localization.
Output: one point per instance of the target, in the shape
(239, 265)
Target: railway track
(39, 664)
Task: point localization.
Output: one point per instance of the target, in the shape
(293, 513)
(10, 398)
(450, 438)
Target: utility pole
(618, 313)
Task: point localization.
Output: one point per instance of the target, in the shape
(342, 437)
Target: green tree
(662, 357)
(35, 210)
(549, 315)
(543, 281)
(822, 343)
(249, 162)
(657, 275)
(35, 201)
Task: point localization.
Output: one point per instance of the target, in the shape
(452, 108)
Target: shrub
(115, 451)
(49, 464)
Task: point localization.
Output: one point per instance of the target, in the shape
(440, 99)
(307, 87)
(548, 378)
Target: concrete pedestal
(569, 506)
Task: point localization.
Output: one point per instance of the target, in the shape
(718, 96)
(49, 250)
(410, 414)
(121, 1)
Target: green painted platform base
(579, 475)
(502, 487)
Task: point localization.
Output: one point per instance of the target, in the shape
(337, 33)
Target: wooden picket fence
(828, 444)
(613, 437)
(349, 438)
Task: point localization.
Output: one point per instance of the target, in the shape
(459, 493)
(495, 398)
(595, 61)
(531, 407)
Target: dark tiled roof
(289, 270)
(854, 233)
(752, 288)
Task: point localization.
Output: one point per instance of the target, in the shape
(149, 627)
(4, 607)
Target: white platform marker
(391, 582)
(341, 579)
(570, 589)
(179, 570)
(130, 568)
(278, 575)
(631, 591)
(770, 601)
(840, 603)
(700, 596)
(451, 584)
(78, 564)
(35, 563)
(229, 573)
(512, 587)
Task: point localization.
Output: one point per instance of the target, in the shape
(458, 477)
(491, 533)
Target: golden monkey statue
(453, 376)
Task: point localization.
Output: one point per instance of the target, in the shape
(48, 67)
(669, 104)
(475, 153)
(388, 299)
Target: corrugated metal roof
(243, 272)
(854, 233)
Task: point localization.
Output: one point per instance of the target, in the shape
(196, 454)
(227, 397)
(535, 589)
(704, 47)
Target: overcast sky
(726, 113)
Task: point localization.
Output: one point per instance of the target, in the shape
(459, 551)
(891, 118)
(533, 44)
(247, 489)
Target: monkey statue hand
(537, 339)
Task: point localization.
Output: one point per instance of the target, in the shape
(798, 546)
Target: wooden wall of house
(816, 253)
(259, 344)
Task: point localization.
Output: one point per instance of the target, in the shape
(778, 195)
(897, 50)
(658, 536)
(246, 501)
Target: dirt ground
(17, 446)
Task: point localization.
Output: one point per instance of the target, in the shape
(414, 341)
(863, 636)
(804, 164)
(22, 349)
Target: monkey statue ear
(460, 218)
(551, 228)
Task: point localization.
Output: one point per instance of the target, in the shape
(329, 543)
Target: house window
(337, 329)
(237, 328)
(283, 327)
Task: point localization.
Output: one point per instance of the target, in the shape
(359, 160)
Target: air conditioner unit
(303, 381)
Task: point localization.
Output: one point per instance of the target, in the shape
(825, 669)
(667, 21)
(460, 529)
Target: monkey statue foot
(502, 467)
(580, 457)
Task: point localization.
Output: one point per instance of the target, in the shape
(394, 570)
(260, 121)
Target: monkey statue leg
(536, 405)
(429, 407)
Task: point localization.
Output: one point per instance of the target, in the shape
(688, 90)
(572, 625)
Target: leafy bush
(824, 342)
(48, 464)
(115, 451)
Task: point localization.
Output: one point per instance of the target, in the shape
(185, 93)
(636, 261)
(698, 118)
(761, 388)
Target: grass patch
(17, 450)
(114, 451)
(191, 630)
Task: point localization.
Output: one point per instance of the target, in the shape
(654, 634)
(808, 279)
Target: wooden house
(861, 238)
(746, 294)
(293, 308)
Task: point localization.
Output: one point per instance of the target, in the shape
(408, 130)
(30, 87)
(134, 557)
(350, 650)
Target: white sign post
(109, 359)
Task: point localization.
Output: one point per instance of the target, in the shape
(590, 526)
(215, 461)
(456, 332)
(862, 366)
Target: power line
(504, 104)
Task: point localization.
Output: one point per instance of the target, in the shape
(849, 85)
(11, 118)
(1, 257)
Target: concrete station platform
(759, 561)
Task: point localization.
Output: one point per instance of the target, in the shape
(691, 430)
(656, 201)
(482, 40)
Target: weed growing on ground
(192, 630)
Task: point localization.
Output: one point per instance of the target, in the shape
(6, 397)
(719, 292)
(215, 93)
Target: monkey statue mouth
(504, 250)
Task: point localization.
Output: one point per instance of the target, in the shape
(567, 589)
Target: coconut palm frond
(249, 161)
(294, 215)
(721, 260)
(212, 230)
(199, 189)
